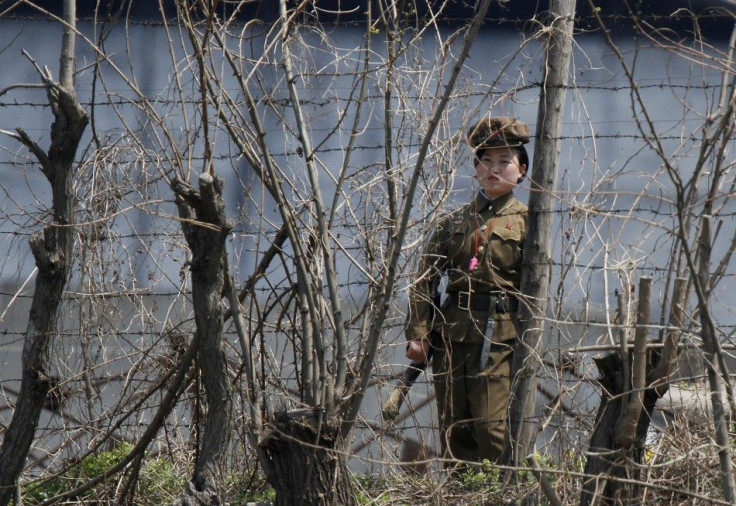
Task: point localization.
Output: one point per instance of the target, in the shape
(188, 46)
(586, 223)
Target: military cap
(498, 132)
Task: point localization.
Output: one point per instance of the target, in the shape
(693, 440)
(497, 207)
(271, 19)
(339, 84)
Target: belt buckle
(460, 295)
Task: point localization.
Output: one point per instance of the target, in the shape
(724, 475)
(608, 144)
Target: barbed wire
(19, 334)
(566, 208)
(12, 337)
(667, 84)
(713, 13)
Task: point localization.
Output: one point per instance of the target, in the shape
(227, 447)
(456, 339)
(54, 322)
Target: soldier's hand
(417, 350)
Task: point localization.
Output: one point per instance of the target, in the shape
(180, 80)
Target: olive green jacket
(493, 233)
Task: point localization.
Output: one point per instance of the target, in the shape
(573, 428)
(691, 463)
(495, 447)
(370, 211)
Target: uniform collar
(482, 202)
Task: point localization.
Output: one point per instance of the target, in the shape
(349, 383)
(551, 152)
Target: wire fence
(127, 311)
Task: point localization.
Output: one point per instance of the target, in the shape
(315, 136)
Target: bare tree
(303, 391)
(629, 392)
(205, 228)
(626, 419)
(52, 250)
(301, 444)
(245, 229)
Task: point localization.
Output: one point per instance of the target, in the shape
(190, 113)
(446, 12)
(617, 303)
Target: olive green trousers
(472, 403)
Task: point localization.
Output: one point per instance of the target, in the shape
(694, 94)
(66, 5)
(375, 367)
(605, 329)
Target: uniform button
(484, 227)
(480, 249)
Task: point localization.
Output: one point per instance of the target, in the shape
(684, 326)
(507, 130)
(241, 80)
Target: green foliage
(373, 490)
(158, 481)
(249, 486)
(97, 464)
(486, 478)
(35, 493)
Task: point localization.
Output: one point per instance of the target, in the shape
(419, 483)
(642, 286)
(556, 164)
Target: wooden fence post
(537, 249)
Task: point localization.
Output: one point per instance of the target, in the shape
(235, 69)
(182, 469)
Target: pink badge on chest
(473, 263)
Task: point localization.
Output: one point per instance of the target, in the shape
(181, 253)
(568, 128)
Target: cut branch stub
(634, 400)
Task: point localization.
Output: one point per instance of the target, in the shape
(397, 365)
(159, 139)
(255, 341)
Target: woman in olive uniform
(479, 248)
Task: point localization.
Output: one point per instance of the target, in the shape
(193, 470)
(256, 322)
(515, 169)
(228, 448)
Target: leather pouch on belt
(505, 329)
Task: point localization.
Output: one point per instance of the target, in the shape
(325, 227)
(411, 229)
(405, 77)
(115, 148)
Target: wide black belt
(501, 301)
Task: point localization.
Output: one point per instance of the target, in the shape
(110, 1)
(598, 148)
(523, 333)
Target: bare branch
(634, 400)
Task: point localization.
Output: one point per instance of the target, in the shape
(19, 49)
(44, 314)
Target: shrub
(158, 481)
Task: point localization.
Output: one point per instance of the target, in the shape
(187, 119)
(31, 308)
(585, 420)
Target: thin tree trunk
(617, 445)
(606, 460)
(712, 350)
(619, 411)
(52, 251)
(659, 378)
(609, 444)
(205, 229)
(625, 430)
(537, 248)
